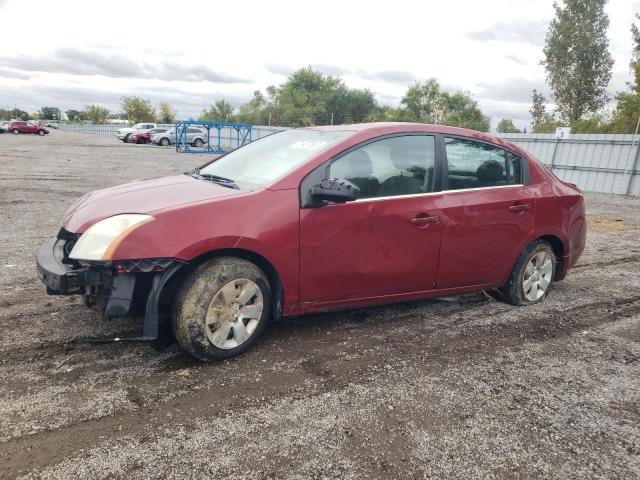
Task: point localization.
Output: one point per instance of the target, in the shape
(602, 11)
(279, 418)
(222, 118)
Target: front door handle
(520, 207)
(420, 221)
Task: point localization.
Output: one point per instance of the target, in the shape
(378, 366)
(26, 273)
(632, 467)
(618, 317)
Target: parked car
(52, 124)
(145, 137)
(318, 219)
(19, 127)
(123, 133)
(3, 127)
(196, 137)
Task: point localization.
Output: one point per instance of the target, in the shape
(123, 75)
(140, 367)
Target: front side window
(390, 167)
(473, 164)
(265, 160)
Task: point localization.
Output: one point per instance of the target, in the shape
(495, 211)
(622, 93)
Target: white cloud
(96, 51)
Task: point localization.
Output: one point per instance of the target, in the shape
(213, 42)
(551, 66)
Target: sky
(71, 53)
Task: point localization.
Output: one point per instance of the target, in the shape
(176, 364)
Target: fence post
(553, 156)
(633, 170)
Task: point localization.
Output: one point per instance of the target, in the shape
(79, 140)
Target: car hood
(144, 196)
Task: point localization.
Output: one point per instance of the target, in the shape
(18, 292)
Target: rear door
(488, 212)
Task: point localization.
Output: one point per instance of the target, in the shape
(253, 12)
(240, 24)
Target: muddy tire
(531, 279)
(221, 309)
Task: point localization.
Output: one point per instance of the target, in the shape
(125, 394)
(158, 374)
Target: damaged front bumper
(114, 288)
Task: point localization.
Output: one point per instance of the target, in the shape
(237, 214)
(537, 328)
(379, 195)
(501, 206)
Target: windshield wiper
(225, 182)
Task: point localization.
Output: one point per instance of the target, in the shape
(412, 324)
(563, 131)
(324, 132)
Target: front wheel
(41, 133)
(16, 131)
(164, 142)
(532, 276)
(198, 142)
(222, 308)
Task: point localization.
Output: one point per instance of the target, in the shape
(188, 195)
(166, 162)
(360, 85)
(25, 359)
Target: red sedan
(144, 137)
(318, 219)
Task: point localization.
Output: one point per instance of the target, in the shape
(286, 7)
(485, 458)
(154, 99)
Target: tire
(211, 326)
(198, 143)
(531, 279)
(164, 142)
(41, 133)
(140, 141)
(126, 138)
(15, 131)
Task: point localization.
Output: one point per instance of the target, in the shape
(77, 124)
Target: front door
(387, 242)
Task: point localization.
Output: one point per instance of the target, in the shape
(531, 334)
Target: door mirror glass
(334, 190)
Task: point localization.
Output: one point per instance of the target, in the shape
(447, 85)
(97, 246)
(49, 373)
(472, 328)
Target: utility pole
(331, 118)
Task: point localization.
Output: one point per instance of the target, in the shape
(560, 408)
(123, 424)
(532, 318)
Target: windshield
(259, 163)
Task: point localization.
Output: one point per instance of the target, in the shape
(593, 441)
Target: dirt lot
(470, 388)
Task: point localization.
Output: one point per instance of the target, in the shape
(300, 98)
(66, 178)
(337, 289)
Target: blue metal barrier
(242, 136)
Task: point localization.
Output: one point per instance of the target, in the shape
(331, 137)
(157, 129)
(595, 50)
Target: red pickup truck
(24, 127)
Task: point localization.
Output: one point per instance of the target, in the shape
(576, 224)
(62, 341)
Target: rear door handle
(520, 207)
(423, 220)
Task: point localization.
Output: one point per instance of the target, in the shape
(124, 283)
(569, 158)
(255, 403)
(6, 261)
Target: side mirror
(335, 190)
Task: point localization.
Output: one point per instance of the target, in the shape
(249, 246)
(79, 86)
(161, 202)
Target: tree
(138, 110)
(166, 114)
(74, 115)
(543, 122)
(95, 113)
(220, 111)
(577, 59)
(424, 102)
(506, 126)
(627, 111)
(254, 111)
(428, 103)
(50, 113)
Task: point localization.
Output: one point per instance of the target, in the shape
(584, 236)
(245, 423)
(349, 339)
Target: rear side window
(473, 164)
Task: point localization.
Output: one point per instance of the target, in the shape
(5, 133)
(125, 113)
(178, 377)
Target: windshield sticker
(308, 144)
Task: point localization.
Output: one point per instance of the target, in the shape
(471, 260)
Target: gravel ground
(471, 388)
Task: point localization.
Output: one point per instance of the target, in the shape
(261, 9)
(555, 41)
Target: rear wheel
(16, 131)
(222, 308)
(531, 279)
(198, 142)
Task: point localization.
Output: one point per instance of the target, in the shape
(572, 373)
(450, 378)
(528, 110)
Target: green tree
(424, 102)
(74, 115)
(166, 114)
(220, 111)
(627, 110)
(506, 126)
(95, 113)
(543, 121)
(254, 111)
(428, 103)
(138, 110)
(50, 113)
(577, 59)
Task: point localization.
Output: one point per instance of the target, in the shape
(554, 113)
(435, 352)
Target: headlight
(101, 239)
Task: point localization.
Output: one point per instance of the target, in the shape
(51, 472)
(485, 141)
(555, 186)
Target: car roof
(383, 128)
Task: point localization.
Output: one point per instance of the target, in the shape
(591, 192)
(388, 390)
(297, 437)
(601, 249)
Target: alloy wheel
(234, 313)
(537, 275)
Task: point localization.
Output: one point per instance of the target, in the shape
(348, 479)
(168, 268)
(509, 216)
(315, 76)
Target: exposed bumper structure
(115, 289)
